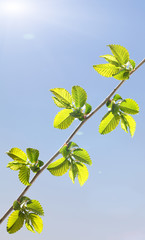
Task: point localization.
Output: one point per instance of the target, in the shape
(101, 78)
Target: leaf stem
(69, 138)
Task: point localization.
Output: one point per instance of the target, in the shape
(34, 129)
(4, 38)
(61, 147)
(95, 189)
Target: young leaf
(73, 172)
(59, 167)
(36, 222)
(32, 154)
(88, 108)
(14, 165)
(72, 145)
(132, 63)
(111, 59)
(109, 123)
(16, 205)
(24, 199)
(79, 96)
(82, 173)
(40, 163)
(115, 108)
(29, 227)
(82, 155)
(24, 175)
(129, 106)
(124, 123)
(106, 70)
(65, 151)
(63, 98)
(131, 124)
(117, 97)
(35, 207)
(123, 74)
(15, 221)
(17, 155)
(77, 113)
(63, 119)
(120, 53)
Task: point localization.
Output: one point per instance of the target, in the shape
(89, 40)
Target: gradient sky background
(47, 44)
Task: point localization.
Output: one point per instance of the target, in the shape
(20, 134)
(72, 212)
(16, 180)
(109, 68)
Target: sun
(15, 8)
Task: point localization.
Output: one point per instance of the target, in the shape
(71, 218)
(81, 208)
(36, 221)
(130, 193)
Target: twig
(69, 138)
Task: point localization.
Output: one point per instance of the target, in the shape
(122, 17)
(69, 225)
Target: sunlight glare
(13, 8)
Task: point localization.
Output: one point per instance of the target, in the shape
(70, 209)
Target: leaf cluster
(73, 160)
(119, 64)
(24, 162)
(28, 212)
(75, 106)
(119, 110)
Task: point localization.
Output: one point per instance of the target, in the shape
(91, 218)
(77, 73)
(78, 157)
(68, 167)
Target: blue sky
(48, 44)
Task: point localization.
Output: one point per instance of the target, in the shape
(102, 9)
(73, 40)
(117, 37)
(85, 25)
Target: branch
(69, 138)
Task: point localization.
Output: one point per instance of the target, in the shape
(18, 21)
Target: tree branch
(69, 138)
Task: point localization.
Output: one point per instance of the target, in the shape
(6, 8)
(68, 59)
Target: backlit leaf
(129, 106)
(32, 154)
(120, 53)
(117, 97)
(14, 165)
(132, 63)
(79, 96)
(59, 167)
(17, 155)
(15, 221)
(88, 108)
(82, 173)
(63, 97)
(111, 59)
(82, 155)
(36, 222)
(124, 123)
(63, 119)
(109, 123)
(131, 123)
(35, 207)
(106, 70)
(73, 172)
(122, 75)
(24, 175)
(29, 227)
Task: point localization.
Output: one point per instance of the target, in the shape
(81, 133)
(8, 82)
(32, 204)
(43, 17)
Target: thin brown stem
(69, 138)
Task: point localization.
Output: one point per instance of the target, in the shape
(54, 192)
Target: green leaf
(73, 172)
(32, 154)
(79, 96)
(132, 63)
(124, 123)
(40, 163)
(24, 175)
(115, 108)
(111, 59)
(88, 108)
(65, 151)
(24, 199)
(120, 53)
(131, 124)
(14, 165)
(29, 227)
(35, 207)
(77, 113)
(106, 70)
(17, 155)
(15, 221)
(82, 155)
(83, 173)
(36, 222)
(63, 119)
(59, 167)
(63, 98)
(129, 106)
(117, 97)
(109, 123)
(123, 74)
(72, 145)
(16, 205)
